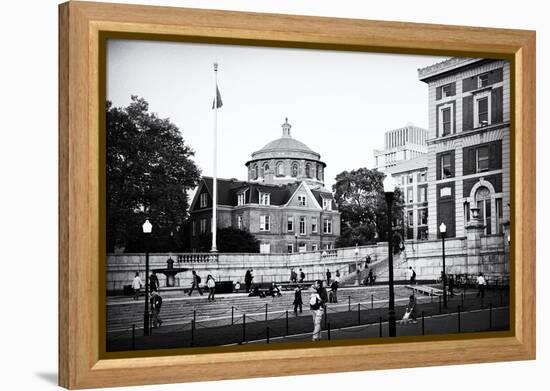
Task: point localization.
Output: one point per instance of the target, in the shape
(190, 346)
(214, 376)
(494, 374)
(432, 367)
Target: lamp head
(443, 228)
(389, 184)
(147, 227)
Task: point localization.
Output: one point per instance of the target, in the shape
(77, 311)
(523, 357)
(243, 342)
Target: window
(314, 247)
(302, 225)
(446, 90)
(498, 207)
(410, 218)
(467, 212)
(255, 171)
(314, 224)
(308, 171)
(483, 202)
(290, 248)
(264, 223)
(319, 172)
(194, 228)
(410, 195)
(203, 200)
(446, 166)
(483, 111)
(422, 194)
(265, 248)
(280, 169)
(241, 198)
(446, 121)
(483, 80)
(422, 233)
(294, 170)
(410, 178)
(327, 204)
(290, 223)
(203, 226)
(327, 226)
(403, 180)
(421, 177)
(302, 247)
(302, 200)
(482, 158)
(265, 199)
(240, 222)
(423, 216)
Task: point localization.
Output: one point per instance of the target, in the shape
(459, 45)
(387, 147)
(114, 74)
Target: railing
(197, 257)
(349, 318)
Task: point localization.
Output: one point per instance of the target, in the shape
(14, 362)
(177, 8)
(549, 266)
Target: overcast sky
(338, 103)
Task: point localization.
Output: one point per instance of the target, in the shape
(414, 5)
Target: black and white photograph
(263, 195)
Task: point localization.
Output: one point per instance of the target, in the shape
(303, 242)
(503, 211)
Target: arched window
(280, 169)
(483, 202)
(255, 171)
(266, 168)
(294, 170)
(308, 171)
(319, 172)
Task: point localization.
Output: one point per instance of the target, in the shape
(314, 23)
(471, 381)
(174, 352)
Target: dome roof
(286, 147)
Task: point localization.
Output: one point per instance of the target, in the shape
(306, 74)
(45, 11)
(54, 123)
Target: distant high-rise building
(400, 144)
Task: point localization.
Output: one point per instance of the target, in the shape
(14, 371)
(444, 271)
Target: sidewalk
(360, 322)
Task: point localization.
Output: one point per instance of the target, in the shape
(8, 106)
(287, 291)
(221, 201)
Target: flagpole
(215, 176)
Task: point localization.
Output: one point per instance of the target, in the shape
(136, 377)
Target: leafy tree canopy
(149, 172)
(364, 212)
(230, 240)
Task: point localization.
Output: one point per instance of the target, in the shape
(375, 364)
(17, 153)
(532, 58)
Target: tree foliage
(149, 171)
(364, 212)
(230, 240)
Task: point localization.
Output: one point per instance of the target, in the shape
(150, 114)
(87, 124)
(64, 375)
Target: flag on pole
(217, 102)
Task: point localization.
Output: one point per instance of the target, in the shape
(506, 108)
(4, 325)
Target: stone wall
(490, 255)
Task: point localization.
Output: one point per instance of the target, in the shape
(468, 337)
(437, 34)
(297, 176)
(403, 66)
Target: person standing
(196, 283)
(329, 276)
(371, 278)
(333, 292)
(154, 282)
(293, 276)
(211, 284)
(136, 286)
(302, 276)
(412, 275)
(317, 310)
(248, 277)
(297, 300)
(156, 303)
(451, 285)
(481, 285)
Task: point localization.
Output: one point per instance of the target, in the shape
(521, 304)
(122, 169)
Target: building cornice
(467, 133)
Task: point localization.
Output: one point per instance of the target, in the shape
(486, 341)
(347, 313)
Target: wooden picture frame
(82, 27)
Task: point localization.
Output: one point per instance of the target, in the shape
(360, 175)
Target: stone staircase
(178, 308)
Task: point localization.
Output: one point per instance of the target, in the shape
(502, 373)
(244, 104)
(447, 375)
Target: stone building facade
(468, 144)
(284, 203)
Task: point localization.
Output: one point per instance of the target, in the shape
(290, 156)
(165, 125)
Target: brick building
(468, 143)
(284, 203)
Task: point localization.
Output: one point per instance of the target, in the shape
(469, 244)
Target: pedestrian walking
(337, 278)
(297, 300)
(412, 275)
(211, 284)
(371, 278)
(329, 276)
(410, 311)
(196, 283)
(317, 310)
(248, 277)
(154, 282)
(481, 283)
(333, 294)
(293, 276)
(156, 303)
(451, 285)
(302, 276)
(136, 286)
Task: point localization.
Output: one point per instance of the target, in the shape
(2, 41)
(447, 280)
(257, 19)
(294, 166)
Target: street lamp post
(389, 190)
(443, 232)
(147, 228)
(356, 266)
(296, 241)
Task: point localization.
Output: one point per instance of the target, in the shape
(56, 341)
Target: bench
(425, 290)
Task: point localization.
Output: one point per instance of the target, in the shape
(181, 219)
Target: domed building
(284, 203)
(286, 160)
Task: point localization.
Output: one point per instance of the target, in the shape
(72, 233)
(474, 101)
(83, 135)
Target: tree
(362, 204)
(149, 172)
(230, 240)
